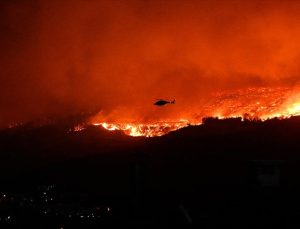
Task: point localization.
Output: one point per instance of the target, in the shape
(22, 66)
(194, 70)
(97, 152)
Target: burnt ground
(223, 173)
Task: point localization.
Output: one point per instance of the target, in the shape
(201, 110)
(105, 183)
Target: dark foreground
(223, 173)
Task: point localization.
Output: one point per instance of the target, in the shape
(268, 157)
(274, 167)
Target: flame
(77, 128)
(294, 109)
(146, 130)
(250, 103)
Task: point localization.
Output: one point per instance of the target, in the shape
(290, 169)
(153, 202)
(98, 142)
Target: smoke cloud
(63, 57)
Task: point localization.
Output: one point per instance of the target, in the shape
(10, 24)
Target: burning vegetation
(217, 58)
(252, 104)
(147, 130)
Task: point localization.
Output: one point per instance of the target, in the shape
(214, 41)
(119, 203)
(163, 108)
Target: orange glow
(251, 103)
(224, 58)
(77, 128)
(294, 109)
(146, 130)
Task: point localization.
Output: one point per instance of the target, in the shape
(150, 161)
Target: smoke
(63, 57)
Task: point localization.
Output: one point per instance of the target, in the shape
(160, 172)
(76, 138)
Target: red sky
(62, 57)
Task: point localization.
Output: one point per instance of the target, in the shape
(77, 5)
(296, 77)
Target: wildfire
(147, 130)
(250, 103)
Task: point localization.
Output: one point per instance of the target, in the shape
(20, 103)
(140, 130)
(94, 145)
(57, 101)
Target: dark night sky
(61, 57)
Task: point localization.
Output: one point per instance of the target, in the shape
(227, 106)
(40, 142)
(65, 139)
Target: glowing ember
(147, 130)
(250, 103)
(14, 125)
(77, 128)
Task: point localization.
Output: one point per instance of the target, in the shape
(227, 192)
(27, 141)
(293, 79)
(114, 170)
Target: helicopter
(162, 102)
